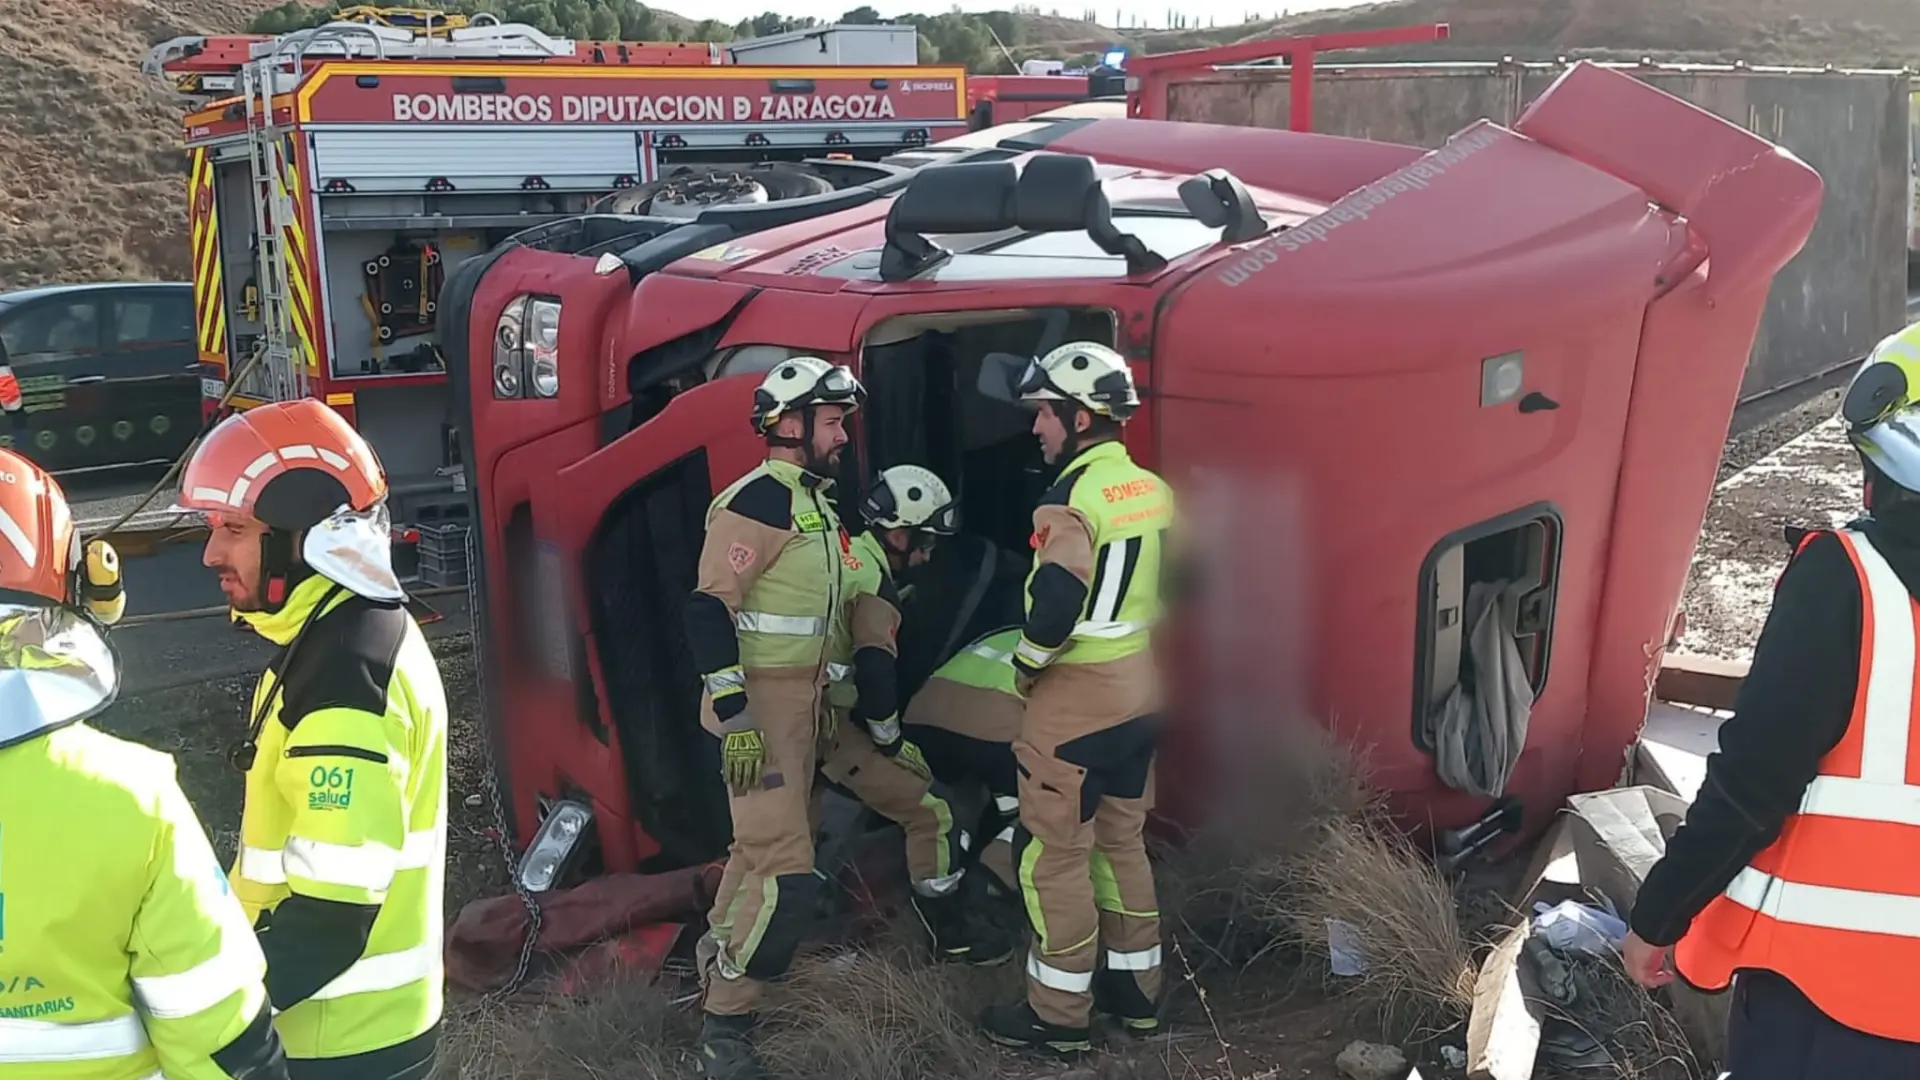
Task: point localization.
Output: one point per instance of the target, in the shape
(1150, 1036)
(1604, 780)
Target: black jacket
(1792, 709)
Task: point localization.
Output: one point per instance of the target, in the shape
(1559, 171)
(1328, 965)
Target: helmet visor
(55, 667)
(837, 386)
(1033, 381)
(944, 521)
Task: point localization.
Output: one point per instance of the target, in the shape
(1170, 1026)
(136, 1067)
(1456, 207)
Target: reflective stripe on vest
(792, 612)
(988, 652)
(760, 622)
(388, 971)
(1833, 904)
(43, 1041)
(337, 864)
(171, 997)
(1128, 510)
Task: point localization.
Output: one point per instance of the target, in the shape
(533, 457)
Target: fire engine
(352, 166)
(1378, 375)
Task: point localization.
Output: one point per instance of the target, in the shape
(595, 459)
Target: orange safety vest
(1834, 903)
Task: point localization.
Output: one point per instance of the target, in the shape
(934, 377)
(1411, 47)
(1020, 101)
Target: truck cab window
(1486, 611)
(925, 407)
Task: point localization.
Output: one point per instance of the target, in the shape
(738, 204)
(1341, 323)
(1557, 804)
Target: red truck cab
(1375, 375)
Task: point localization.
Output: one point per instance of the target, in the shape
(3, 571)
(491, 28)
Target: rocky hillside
(92, 185)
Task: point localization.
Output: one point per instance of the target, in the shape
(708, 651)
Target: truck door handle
(78, 380)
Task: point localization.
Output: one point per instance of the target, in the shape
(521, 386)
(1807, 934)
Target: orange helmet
(289, 465)
(40, 551)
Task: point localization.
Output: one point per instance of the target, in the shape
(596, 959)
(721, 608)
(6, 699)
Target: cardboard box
(1617, 837)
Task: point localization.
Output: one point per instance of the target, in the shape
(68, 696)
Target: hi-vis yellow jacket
(342, 856)
(123, 954)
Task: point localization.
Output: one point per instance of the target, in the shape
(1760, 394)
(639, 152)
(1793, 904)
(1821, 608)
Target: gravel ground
(1812, 479)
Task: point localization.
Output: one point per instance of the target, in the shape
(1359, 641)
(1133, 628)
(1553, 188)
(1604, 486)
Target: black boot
(1017, 1026)
(961, 932)
(726, 1048)
(1116, 994)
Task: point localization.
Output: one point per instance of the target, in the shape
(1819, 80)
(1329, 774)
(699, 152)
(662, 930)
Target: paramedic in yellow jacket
(123, 954)
(342, 854)
(1091, 727)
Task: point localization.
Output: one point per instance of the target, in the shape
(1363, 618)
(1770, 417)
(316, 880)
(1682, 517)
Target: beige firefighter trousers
(972, 741)
(769, 892)
(1085, 755)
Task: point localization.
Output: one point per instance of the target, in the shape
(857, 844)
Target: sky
(1151, 13)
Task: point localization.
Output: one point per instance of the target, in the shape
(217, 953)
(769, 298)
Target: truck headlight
(526, 348)
(554, 844)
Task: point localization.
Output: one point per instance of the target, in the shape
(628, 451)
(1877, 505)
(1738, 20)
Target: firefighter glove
(743, 758)
(885, 733)
(909, 757)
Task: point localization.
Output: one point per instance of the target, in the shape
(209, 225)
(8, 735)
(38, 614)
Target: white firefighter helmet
(1084, 372)
(910, 497)
(800, 382)
(1882, 417)
(1887, 381)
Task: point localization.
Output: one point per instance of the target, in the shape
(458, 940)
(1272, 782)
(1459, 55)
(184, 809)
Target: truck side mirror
(1219, 200)
(999, 374)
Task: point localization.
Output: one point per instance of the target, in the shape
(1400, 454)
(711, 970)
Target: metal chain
(494, 801)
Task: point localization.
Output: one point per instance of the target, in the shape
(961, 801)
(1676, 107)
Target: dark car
(108, 373)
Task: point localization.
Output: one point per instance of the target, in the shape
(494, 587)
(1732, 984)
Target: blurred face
(233, 552)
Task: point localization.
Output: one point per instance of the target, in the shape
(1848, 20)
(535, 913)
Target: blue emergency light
(1114, 58)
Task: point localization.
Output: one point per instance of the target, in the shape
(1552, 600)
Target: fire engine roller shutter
(391, 160)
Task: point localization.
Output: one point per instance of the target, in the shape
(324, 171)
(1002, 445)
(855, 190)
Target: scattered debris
(1347, 955)
(1503, 1032)
(1371, 1061)
(1570, 926)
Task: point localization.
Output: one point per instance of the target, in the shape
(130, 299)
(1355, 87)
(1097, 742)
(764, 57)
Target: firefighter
(1090, 728)
(965, 714)
(342, 854)
(965, 720)
(122, 951)
(1793, 876)
(905, 499)
(766, 617)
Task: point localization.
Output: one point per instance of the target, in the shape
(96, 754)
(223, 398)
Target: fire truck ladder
(281, 375)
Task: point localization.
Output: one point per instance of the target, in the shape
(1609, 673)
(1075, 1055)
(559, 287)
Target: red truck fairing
(1511, 359)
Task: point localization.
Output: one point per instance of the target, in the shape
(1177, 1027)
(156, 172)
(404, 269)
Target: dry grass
(1326, 854)
(631, 1030)
(884, 1013)
(1401, 916)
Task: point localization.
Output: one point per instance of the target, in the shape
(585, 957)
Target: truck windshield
(1170, 235)
(1021, 256)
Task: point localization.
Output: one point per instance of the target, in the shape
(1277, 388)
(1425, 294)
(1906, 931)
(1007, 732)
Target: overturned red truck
(1377, 375)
